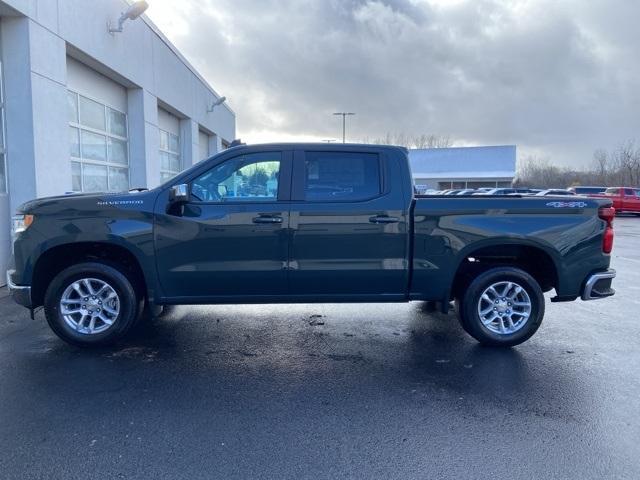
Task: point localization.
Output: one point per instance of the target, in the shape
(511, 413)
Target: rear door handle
(384, 219)
(267, 219)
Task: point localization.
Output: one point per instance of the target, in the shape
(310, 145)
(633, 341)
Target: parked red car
(625, 199)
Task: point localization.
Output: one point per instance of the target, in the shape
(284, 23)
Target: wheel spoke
(81, 322)
(510, 323)
(486, 310)
(92, 324)
(105, 320)
(490, 320)
(76, 287)
(111, 296)
(515, 293)
(508, 287)
(102, 289)
(87, 284)
(501, 323)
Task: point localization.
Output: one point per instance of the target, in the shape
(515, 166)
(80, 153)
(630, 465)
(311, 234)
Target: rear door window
(341, 176)
(629, 192)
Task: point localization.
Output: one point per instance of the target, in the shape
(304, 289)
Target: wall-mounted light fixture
(219, 101)
(134, 11)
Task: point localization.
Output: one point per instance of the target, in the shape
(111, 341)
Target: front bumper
(21, 294)
(598, 285)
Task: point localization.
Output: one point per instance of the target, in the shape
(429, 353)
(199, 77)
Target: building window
(203, 145)
(169, 155)
(3, 167)
(98, 142)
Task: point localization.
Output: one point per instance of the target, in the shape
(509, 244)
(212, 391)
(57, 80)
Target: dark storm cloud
(558, 78)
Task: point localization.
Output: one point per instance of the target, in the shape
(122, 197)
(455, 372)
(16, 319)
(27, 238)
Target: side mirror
(179, 193)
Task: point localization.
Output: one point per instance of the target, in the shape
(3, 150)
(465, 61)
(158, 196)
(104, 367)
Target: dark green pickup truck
(293, 223)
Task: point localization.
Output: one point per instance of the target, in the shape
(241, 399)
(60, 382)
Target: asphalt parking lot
(329, 391)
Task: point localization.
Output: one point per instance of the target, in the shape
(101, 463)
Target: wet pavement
(329, 391)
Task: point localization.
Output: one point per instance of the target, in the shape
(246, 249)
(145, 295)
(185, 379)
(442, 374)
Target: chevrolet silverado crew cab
(294, 223)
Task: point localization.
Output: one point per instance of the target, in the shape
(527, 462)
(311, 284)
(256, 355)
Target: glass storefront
(98, 142)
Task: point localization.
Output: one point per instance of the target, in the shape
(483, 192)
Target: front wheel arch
(54, 260)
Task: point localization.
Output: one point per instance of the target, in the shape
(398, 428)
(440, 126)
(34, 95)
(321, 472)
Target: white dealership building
(86, 109)
(464, 167)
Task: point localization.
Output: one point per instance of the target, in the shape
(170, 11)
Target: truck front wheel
(502, 307)
(91, 304)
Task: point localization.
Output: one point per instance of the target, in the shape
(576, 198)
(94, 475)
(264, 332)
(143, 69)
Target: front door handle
(267, 219)
(384, 219)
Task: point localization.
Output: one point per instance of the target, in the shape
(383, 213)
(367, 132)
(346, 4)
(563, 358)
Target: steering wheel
(209, 194)
(214, 194)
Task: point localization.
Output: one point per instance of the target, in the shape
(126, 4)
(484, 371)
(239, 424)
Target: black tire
(470, 317)
(129, 304)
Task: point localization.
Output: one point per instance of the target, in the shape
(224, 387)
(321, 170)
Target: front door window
(248, 178)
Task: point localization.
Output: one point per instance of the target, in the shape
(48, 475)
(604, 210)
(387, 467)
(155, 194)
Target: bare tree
(601, 166)
(431, 141)
(627, 160)
(621, 167)
(412, 141)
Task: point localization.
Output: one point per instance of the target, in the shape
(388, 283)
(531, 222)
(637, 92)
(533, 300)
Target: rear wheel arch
(531, 258)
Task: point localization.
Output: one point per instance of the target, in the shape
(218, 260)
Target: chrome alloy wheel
(504, 307)
(89, 306)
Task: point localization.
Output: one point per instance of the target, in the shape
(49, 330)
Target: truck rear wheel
(502, 307)
(91, 304)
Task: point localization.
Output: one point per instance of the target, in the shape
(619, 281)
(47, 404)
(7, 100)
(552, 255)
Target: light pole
(344, 116)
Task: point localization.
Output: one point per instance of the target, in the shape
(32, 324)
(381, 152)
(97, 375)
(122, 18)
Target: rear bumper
(21, 294)
(598, 285)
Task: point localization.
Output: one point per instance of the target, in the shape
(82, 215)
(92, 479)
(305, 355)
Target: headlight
(20, 223)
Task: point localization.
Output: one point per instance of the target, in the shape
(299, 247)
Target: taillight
(607, 214)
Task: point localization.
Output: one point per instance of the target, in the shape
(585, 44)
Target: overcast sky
(558, 78)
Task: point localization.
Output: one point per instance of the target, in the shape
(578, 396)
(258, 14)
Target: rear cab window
(341, 176)
(612, 191)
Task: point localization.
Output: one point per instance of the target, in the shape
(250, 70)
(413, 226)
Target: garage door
(98, 132)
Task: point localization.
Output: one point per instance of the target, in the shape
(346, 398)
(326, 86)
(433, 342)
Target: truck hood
(79, 201)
